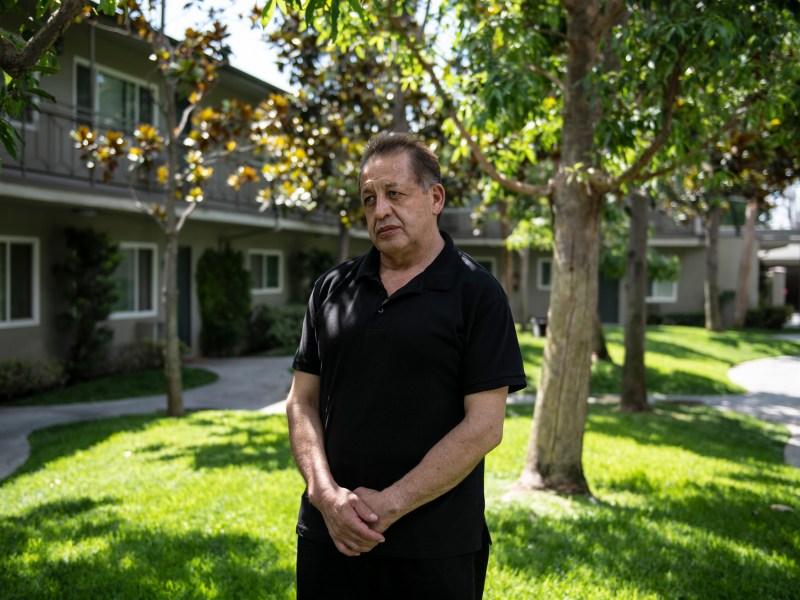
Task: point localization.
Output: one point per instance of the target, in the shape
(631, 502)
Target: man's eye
(368, 200)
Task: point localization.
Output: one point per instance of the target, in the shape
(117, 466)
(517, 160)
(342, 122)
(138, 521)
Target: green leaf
(9, 136)
(334, 18)
(108, 7)
(267, 12)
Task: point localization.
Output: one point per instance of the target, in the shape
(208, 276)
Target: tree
(187, 69)
(610, 94)
(28, 50)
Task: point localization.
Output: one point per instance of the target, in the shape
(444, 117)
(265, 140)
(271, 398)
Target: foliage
(686, 319)
(23, 377)
(287, 326)
(768, 317)
(119, 386)
(223, 292)
(137, 356)
(146, 506)
(306, 266)
(27, 37)
(87, 284)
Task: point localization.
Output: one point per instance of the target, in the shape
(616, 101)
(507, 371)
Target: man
(406, 358)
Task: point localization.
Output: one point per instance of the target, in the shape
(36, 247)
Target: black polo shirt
(393, 375)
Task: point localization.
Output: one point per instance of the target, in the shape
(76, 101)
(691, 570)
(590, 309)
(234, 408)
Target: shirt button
(380, 310)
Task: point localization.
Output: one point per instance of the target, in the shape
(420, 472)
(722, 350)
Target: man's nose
(382, 205)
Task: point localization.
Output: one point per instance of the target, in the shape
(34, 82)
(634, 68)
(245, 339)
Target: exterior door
(608, 300)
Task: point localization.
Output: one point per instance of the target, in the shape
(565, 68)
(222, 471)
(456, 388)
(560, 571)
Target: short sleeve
(492, 357)
(306, 358)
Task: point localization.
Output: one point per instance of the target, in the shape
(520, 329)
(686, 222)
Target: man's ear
(437, 192)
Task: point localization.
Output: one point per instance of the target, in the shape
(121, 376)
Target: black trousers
(325, 573)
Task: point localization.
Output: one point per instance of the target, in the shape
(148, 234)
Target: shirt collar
(438, 275)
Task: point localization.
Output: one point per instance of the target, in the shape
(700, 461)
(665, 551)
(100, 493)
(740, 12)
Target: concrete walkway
(261, 384)
(256, 383)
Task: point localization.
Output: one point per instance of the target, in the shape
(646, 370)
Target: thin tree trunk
(554, 458)
(742, 299)
(711, 285)
(508, 267)
(634, 383)
(344, 242)
(524, 271)
(172, 353)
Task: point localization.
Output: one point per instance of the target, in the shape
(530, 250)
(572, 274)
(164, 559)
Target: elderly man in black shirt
(407, 355)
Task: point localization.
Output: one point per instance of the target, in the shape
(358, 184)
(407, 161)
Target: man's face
(401, 216)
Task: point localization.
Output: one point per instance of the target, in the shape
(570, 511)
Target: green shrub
(86, 281)
(20, 377)
(259, 332)
(768, 317)
(223, 289)
(136, 356)
(686, 319)
(287, 325)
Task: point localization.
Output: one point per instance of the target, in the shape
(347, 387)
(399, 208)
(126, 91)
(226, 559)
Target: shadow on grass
(236, 444)
(607, 379)
(699, 430)
(80, 548)
(654, 551)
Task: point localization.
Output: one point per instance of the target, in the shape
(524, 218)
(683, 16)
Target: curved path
(252, 383)
(261, 384)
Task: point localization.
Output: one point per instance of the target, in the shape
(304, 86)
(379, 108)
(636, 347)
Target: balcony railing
(47, 154)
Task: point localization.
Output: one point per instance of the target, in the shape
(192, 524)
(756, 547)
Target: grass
(678, 360)
(115, 387)
(205, 507)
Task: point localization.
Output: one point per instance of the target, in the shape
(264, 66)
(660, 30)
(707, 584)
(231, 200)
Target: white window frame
(539, 283)
(264, 254)
(113, 73)
(672, 298)
(133, 314)
(34, 321)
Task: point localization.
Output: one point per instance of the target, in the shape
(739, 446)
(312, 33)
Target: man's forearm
(445, 465)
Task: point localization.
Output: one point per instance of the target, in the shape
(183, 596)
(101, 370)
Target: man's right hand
(348, 520)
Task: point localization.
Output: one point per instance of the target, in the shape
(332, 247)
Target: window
(544, 273)
(114, 100)
(136, 281)
(662, 291)
(19, 276)
(265, 269)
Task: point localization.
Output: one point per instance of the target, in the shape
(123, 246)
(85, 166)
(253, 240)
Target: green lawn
(679, 360)
(115, 387)
(205, 506)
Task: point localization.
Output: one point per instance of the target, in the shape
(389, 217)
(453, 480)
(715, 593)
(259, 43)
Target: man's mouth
(386, 229)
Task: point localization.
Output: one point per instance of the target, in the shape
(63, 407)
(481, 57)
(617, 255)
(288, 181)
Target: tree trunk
(711, 287)
(507, 267)
(740, 311)
(172, 352)
(634, 382)
(524, 271)
(554, 459)
(344, 242)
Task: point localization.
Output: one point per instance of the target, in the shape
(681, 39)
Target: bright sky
(250, 53)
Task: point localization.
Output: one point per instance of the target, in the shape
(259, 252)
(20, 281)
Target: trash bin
(539, 326)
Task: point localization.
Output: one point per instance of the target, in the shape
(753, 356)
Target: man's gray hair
(422, 160)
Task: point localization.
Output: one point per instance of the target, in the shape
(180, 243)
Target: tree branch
(17, 62)
(548, 75)
(668, 110)
(185, 215)
(518, 187)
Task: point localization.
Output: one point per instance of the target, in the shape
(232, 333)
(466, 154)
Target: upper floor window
(544, 273)
(19, 292)
(265, 269)
(662, 291)
(113, 100)
(136, 277)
